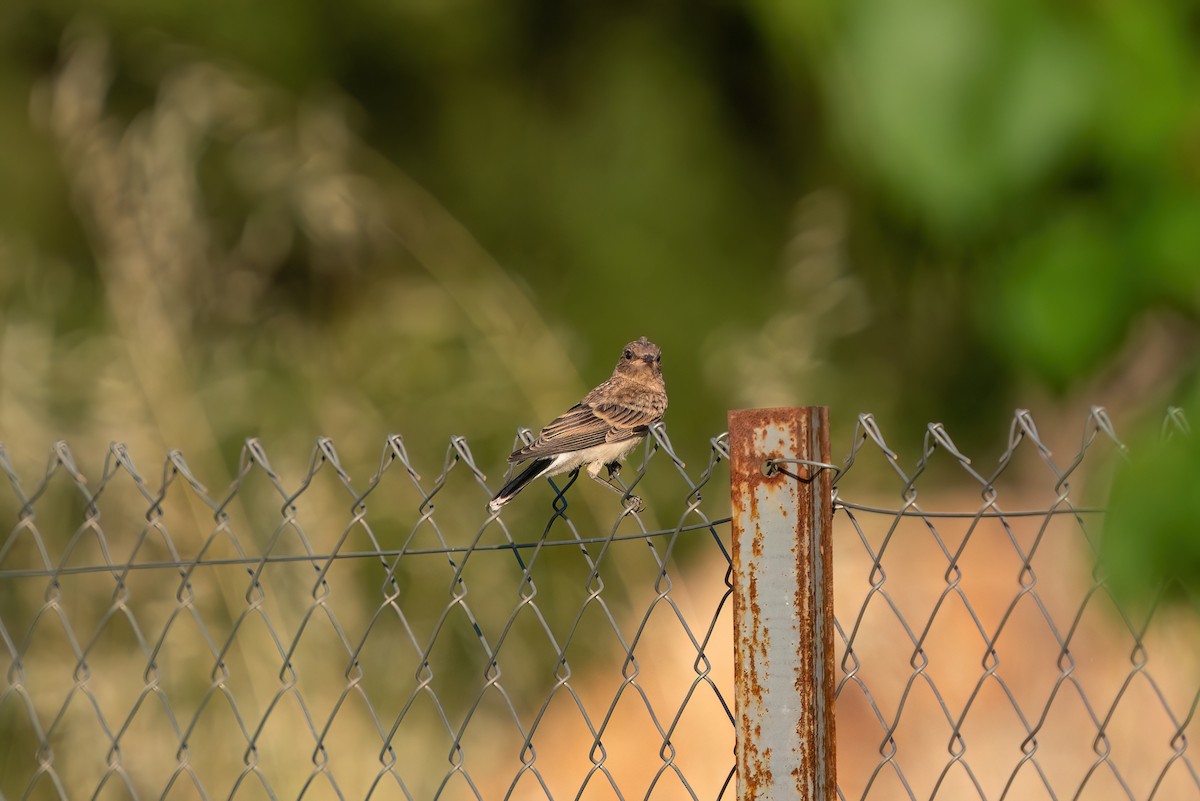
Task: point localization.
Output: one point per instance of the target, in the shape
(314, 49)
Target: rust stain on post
(782, 604)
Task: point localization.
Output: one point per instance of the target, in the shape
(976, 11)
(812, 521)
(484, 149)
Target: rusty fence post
(782, 604)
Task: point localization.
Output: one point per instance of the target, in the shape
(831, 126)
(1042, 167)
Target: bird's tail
(535, 469)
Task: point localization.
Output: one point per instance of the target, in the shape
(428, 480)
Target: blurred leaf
(955, 106)
(1064, 299)
(1043, 98)
(1150, 74)
(1152, 531)
(1166, 238)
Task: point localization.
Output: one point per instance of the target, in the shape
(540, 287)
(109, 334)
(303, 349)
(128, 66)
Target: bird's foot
(614, 469)
(633, 503)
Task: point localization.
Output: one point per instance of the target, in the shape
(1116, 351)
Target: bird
(600, 430)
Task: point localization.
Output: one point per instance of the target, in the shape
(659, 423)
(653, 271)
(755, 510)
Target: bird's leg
(631, 501)
(606, 482)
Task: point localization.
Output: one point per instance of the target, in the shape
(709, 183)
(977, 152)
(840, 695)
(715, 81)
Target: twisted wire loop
(982, 654)
(389, 639)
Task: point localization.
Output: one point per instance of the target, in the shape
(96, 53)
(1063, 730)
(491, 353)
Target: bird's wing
(586, 425)
(626, 420)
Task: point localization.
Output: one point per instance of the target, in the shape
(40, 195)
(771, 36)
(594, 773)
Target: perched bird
(601, 429)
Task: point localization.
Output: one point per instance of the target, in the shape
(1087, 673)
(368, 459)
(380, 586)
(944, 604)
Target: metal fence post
(782, 604)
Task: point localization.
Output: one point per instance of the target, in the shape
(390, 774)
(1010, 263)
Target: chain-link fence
(980, 654)
(310, 633)
(386, 639)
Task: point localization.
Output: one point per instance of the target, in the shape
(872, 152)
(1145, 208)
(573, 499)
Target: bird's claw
(614, 469)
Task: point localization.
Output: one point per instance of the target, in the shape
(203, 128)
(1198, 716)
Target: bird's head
(641, 360)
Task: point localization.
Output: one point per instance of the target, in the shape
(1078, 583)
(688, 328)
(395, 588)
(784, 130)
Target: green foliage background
(920, 208)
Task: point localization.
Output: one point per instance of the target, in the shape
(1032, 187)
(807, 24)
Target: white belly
(594, 457)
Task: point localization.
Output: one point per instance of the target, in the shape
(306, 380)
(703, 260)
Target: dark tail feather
(506, 493)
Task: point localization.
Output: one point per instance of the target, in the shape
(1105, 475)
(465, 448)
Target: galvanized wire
(392, 639)
(1033, 682)
(504, 651)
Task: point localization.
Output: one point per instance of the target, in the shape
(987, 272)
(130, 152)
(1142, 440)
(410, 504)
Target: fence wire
(390, 639)
(381, 640)
(981, 654)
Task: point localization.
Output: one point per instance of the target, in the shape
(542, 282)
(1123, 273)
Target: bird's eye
(658, 359)
(628, 354)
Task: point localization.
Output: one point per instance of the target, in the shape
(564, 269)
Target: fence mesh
(326, 637)
(386, 639)
(981, 654)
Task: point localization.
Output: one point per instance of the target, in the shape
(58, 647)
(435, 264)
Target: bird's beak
(648, 359)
